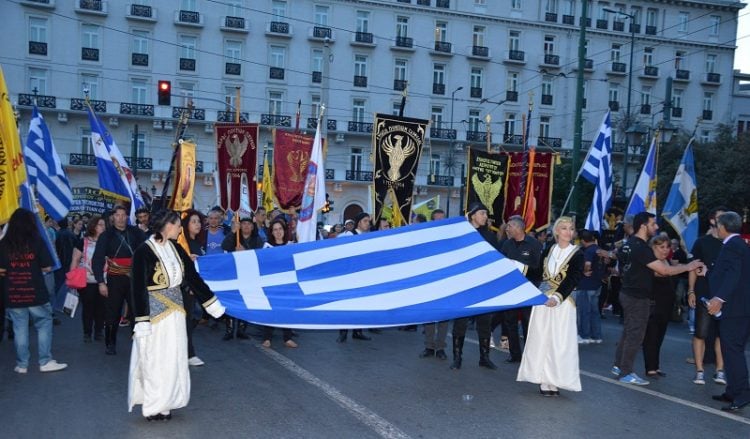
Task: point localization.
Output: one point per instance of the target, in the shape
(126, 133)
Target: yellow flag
(427, 206)
(267, 186)
(12, 169)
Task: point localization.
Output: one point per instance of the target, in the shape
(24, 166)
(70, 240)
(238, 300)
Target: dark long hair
(91, 226)
(161, 219)
(22, 234)
(271, 238)
(201, 237)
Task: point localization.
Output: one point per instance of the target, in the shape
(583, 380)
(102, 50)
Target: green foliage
(584, 192)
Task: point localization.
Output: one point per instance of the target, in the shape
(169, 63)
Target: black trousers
(510, 320)
(118, 288)
(92, 309)
(483, 324)
(735, 332)
(188, 302)
(268, 333)
(658, 320)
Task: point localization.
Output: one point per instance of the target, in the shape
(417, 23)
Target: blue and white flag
(681, 207)
(597, 169)
(428, 272)
(644, 194)
(115, 175)
(28, 202)
(314, 197)
(45, 170)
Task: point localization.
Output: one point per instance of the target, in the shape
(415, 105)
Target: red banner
(290, 155)
(237, 153)
(540, 202)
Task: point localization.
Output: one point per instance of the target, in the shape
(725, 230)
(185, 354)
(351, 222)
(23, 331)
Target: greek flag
(114, 174)
(681, 207)
(428, 272)
(597, 168)
(644, 195)
(45, 170)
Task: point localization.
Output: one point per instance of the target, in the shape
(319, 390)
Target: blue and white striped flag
(598, 170)
(115, 175)
(644, 195)
(45, 170)
(434, 271)
(681, 207)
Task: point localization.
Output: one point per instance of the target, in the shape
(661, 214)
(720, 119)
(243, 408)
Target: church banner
(93, 200)
(541, 187)
(397, 146)
(237, 153)
(486, 182)
(184, 179)
(291, 151)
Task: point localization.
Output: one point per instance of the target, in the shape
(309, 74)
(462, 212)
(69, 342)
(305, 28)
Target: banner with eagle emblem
(291, 151)
(237, 153)
(540, 188)
(397, 146)
(486, 182)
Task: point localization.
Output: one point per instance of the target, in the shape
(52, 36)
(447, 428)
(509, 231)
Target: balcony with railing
(443, 3)
(568, 19)
(276, 120)
(438, 89)
(588, 65)
(232, 68)
(618, 68)
(512, 139)
(712, 79)
(511, 95)
(44, 101)
(276, 73)
(475, 92)
(547, 99)
(189, 18)
(312, 123)
(634, 28)
(618, 26)
(89, 54)
(235, 24)
(442, 133)
(480, 51)
(90, 160)
(440, 180)
(78, 104)
(399, 84)
(229, 116)
(645, 109)
(677, 112)
(195, 113)
(602, 24)
(404, 43)
(142, 12)
(317, 77)
(587, 21)
(136, 109)
(650, 30)
(707, 115)
(363, 38)
(359, 127)
(650, 72)
(551, 60)
(476, 136)
(516, 56)
(187, 64)
(682, 75)
(550, 17)
(552, 142)
(37, 48)
(279, 27)
(360, 81)
(330, 174)
(322, 32)
(358, 175)
(139, 59)
(443, 47)
(96, 7)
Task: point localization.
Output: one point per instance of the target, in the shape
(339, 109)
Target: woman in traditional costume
(550, 358)
(159, 379)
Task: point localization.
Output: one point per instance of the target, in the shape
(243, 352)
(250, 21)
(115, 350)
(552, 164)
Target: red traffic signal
(165, 92)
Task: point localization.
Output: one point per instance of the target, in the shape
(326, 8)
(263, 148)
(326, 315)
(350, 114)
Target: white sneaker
(195, 361)
(19, 369)
(583, 340)
(492, 343)
(52, 366)
(595, 341)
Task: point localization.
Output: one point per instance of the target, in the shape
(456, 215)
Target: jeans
(589, 318)
(41, 315)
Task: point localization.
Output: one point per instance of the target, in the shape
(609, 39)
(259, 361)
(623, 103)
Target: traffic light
(165, 93)
(328, 206)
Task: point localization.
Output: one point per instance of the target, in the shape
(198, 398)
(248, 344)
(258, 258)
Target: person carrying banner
(551, 355)
(477, 216)
(158, 377)
(527, 252)
(114, 250)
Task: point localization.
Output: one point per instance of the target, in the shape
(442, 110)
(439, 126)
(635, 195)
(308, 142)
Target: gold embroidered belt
(164, 302)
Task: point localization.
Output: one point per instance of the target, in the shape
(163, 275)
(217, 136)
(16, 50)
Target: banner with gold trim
(486, 182)
(184, 179)
(540, 201)
(291, 152)
(237, 154)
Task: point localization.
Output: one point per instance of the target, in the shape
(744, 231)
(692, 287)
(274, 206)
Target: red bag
(76, 278)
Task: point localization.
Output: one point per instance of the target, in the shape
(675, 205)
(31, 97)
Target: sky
(742, 54)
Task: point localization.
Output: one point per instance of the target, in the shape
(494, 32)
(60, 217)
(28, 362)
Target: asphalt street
(358, 389)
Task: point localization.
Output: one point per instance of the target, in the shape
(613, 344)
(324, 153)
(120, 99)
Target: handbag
(71, 303)
(76, 278)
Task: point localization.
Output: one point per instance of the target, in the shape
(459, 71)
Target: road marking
(664, 396)
(382, 427)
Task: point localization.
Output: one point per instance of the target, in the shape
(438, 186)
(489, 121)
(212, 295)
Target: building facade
(461, 61)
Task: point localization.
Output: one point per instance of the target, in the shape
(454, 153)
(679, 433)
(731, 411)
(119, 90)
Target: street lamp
(630, 91)
(453, 140)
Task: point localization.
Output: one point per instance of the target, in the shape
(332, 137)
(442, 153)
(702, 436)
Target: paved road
(357, 390)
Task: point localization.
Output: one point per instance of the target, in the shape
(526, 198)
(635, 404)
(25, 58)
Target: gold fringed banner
(184, 181)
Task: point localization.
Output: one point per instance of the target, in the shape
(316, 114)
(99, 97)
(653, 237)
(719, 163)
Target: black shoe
(428, 353)
(440, 354)
(341, 338)
(512, 360)
(546, 392)
(358, 335)
(733, 407)
(723, 398)
(110, 350)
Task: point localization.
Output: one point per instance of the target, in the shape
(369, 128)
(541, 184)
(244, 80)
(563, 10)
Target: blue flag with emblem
(644, 194)
(681, 207)
(428, 272)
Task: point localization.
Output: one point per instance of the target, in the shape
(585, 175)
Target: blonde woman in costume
(159, 379)
(550, 358)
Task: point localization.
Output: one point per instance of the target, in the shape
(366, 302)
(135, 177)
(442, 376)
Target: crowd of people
(143, 277)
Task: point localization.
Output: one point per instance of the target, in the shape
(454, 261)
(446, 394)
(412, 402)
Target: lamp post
(453, 140)
(628, 122)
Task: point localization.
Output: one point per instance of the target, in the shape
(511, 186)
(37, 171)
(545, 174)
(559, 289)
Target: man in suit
(729, 282)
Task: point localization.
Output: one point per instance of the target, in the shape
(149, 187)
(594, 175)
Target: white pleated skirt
(551, 352)
(159, 378)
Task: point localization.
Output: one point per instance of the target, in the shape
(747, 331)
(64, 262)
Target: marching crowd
(142, 277)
